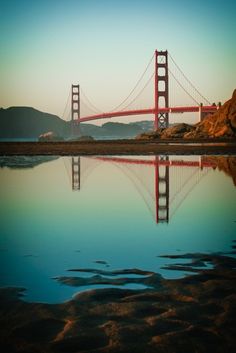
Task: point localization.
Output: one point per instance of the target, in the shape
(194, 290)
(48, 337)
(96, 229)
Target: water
(60, 213)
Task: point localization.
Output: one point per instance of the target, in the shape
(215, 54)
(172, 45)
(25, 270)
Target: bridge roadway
(176, 110)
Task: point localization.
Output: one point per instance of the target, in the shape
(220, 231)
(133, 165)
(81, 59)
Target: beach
(121, 147)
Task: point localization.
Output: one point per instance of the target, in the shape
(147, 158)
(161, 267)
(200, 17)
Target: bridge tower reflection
(162, 188)
(75, 165)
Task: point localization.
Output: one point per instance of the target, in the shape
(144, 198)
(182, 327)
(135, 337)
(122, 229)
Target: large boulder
(150, 135)
(177, 131)
(86, 138)
(83, 138)
(50, 136)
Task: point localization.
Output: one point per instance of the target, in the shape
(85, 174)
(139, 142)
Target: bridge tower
(75, 110)
(161, 89)
(75, 163)
(162, 190)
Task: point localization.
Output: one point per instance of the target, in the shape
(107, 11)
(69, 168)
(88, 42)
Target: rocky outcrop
(221, 124)
(83, 138)
(175, 131)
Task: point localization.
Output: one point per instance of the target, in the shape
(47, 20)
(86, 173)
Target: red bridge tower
(161, 89)
(75, 110)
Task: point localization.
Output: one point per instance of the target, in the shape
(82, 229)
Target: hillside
(26, 122)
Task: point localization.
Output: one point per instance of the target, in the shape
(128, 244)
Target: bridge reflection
(163, 182)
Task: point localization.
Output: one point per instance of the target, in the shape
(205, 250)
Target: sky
(103, 45)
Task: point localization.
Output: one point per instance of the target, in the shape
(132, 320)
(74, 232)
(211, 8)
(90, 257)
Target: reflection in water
(20, 162)
(104, 228)
(165, 190)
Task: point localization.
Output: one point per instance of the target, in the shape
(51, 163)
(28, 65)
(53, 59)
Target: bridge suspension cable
(140, 92)
(85, 107)
(183, 87)
(92, 106)
(66, 106)
(136, 85)
(186, 78)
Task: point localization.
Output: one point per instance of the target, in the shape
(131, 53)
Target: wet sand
(120, 147)
(192, 314)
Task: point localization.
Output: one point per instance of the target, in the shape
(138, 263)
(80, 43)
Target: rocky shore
(220, 124)
(192, 314)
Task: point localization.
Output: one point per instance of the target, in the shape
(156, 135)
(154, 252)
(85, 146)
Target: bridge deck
(175, 110)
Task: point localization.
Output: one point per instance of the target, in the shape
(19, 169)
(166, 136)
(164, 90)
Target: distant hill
(27, 122)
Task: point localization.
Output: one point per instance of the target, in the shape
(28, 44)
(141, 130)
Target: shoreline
(121, 147)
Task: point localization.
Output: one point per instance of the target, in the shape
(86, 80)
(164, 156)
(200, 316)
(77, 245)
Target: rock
(50, 136)
(151, 135)
(86, 138)
(82, 138)
(177, 131)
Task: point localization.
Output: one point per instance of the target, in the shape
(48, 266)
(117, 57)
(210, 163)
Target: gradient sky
(105, 45)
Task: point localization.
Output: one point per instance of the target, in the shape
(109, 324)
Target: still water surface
(60, 213)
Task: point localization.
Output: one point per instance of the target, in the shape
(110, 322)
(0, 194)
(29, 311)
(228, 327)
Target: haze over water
(108, 223)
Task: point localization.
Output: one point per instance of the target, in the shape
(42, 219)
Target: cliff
(220, 124)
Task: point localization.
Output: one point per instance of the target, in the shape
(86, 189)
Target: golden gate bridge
(81, 108)
(162, 181)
